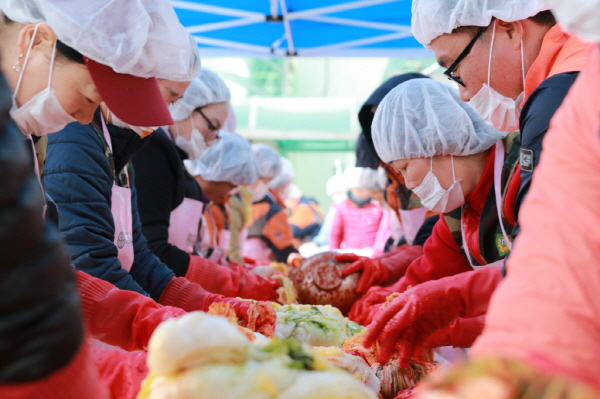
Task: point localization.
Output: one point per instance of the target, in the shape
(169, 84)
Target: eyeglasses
(211, 126)
(450, 71)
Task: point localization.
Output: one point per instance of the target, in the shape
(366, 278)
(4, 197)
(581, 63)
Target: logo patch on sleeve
(526, 160)
(501, 245)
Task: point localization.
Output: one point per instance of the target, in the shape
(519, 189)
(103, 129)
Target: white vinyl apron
(120, 208)
(498, 163)
(185, 223)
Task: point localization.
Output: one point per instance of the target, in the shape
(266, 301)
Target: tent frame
(279, 14)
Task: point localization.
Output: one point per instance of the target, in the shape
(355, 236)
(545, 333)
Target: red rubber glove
(382, 270)
(410, 319)
(363, 310)
(190, 296)
(461, 333)
(231, 281)
(117, 317)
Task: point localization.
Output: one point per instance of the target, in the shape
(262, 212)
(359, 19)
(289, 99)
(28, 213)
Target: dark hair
(62, 50)
(542, 18)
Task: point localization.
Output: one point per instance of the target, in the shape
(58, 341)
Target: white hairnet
(336, 184)
(285, 176)
(137, 37)
(365, 178)
(208, 88)
(582, 19)
(422, 118)
(433, 18)
(267, 159)
(228, 160)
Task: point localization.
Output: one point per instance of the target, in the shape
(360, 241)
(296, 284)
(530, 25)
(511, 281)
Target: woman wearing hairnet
(270, 237)
(459, 166)
(171, 203)
(59, 72)
(220, 169)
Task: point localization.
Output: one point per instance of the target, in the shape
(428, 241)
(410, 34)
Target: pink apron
(185, 223)
(121, 212)
(498, 162)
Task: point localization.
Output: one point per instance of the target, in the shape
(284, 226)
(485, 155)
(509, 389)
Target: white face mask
(193, 147)
(42, 114)
(141, 131)
(498, 111)
(434, 197)
(259, 191)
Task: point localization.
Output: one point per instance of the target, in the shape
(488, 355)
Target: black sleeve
(40, 322)
(535, 121)
(160, 186)
(425, 231)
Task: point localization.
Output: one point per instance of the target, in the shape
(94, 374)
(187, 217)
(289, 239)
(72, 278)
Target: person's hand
(294, 259)
(363, 310)
(411, 318)
(258, 287)
(373, 271)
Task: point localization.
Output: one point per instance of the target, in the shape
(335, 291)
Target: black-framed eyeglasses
(211, 126)
(452, 68)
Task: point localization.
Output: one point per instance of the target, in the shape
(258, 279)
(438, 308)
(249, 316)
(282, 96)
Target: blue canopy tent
(279, 28)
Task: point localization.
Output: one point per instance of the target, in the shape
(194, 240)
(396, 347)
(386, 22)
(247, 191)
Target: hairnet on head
(228, 160)
(365, 178)
(285, 176)
(583, 19)
(268, 161)
(336, 184)
(208, 88)
(422, 118)
(433, 18)
(140, 38)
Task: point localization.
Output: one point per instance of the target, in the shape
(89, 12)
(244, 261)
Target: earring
(17, 66)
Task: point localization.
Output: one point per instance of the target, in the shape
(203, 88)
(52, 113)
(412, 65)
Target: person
(457, 165)
(516, 66)
(358, 218)
(410, 223)
(42, 345)
(34, 34)
(545, 286)
(304, 215)
(270, 237)
(336, 189)
(171, 202)
(220, 169)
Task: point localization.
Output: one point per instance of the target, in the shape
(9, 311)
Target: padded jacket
(78, 175)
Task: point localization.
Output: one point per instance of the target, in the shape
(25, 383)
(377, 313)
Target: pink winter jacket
(355, 227)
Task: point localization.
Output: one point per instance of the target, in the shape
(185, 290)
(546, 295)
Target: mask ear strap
(491, 48)
(431, 164)
(52, 64)
(522, 64)
(453, 175)
(26, 61)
